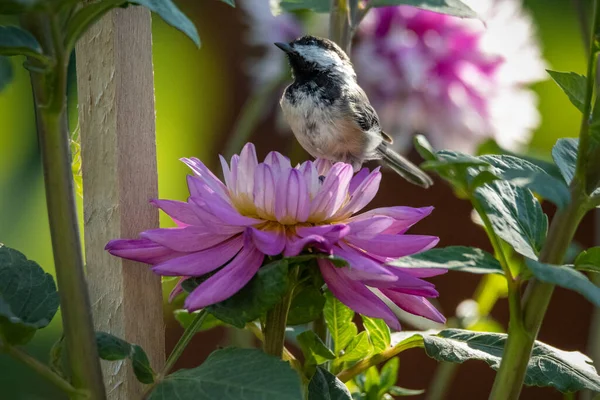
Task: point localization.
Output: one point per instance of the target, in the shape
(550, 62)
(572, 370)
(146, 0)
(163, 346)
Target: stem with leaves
(49, 89)
(276, 321)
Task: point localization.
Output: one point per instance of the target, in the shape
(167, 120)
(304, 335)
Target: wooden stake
(116, 114)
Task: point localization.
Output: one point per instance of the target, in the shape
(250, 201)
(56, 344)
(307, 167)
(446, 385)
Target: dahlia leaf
(28, 297)
(307, 305)
(450, 7)
(6, 72)
(263, 291)
(379, 333)
(318, 6)
(326, 386)
(388, 375)
(400, 391)
(314, 350)
(455, 258)
(18, 6)
(574, 86)
(516, 216)
(567, 371)
(338, 318)
(358, 348)
(112, 348)
(15, 41)
(588, 260)
(243, 374)
(567, 277)
(564, 154)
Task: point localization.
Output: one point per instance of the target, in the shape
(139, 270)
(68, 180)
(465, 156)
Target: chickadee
(330, 114)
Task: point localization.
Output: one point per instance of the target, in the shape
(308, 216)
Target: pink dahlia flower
(458, 81)
(271, 208)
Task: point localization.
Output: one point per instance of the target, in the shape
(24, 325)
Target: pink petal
(142, 250)
(270, 242)
(294, 244)
(355, 295)
(369, 228)
(404, 217)
(362, 196)
(264, 191)
(178, 289)
(394, 245)
(422, 272)
(201, 262)
(331, 233)
(206, 175)
(245, 171)
(292, 201)
(358, 179)
(223, 209)
(278, 163)
(404, 283)
(361, 267)
(178, 210)
(234, 173)
(323, 166)
(226, 172)
(228, 281)
(416, 305)
(211, 222)
(187, 239)
(311, 177)
(332, 193)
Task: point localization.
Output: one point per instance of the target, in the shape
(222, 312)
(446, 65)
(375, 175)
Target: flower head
(272, 208)
(459, 81)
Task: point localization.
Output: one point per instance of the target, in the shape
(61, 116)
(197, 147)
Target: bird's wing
(364, 114)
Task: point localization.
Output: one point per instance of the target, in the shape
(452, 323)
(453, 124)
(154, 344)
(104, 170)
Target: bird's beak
(285, 47)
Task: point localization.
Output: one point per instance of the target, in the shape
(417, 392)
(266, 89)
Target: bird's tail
(403, 167)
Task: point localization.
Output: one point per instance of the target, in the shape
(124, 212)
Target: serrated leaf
(400, 391)
(389, 375)
(6, 72)
(264, 290)
(358, 348)
(326, 386)
(450, 7)
(525, 174)
(574, 86)
(15, 41)
(589, 260)
(185, 318)
(28, 297)
(338, 318)
(455, 258)
(379, 333)
(567, 371)
(314, 350)
(169, 12)
(516, 216)
(307, 305)
(112, 348)
(567, 277)
(564, 154)
(241, 374)
(141, 365)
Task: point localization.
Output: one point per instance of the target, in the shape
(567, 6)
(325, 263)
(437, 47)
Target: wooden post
(116, 114)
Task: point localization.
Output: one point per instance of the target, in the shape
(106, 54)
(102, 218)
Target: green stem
(320, 328)
(513, 367)
(44, 371)
(340, 25)
(275, 326)
(50, 98)
(442, 378)
(183, 341)
(251, 114)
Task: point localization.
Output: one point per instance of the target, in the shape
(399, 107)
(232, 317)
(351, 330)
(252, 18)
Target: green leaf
(28, 297)
(455, 258)
(567, 371)
(588, 260)
(574, 86)
(450, 7)
(15, 41)
(241, 374)
(326, 386)
(307, 305)
(141, 365)
(6, 72)
(314, 350)
(303, 258)
(185, 318)
(358, 348)
(379, 333)
(399, 391)
(388, 375)
(371, 384)
(318, 6)
(338, 318)
(18, 6)
(516, 216)
(564, 154)
(169, 12)
(229, 2)
(112, 348)
(567, 277)
(266, 289)
(424, 148)
(523, 173)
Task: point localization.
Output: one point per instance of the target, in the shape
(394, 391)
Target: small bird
(331, 115)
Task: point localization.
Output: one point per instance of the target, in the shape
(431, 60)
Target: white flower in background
(458, 81)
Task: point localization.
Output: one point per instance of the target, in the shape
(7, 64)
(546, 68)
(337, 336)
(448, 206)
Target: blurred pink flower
(270, 208)
(458, 81)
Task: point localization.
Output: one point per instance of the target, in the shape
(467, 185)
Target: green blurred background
(198, 95)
